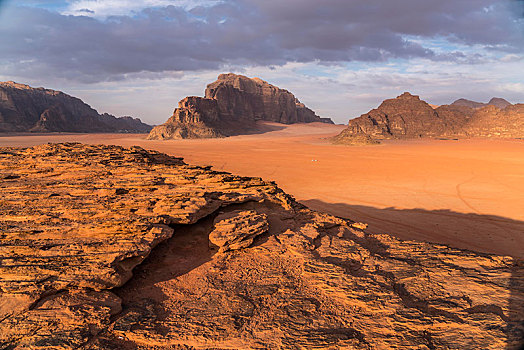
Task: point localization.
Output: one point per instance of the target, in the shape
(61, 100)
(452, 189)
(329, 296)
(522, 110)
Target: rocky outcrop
(237, 229)
(27, 109)
(231, 106)
(408, 117)
(354, 137)
(491, 121)
(104, 247)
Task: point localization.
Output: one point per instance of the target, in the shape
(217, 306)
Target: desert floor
(467, 193)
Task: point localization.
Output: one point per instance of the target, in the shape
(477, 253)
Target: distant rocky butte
(123, 248)
(407, 117)
(495, 101)
(27, 109)
(231, 106)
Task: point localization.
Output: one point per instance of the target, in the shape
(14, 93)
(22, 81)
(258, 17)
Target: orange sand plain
(468, 193)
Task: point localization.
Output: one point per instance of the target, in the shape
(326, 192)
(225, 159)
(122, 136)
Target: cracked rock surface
(103, 247)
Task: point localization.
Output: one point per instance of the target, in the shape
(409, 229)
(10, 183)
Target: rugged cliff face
(231, 106)
(407, 117)
(255, 99)
(133, 249)
(491, 121)
(27, 109)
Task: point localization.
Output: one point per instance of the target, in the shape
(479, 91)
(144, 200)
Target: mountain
(407, 116)
(124, 248)
(27, 109)
(495, 101)
(491, 121)
(231, 106)
(467, 103)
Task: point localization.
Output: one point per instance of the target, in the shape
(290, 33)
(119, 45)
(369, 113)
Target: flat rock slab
(104, 247)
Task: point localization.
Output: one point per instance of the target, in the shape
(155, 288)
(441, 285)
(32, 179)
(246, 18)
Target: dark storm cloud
(251, 32)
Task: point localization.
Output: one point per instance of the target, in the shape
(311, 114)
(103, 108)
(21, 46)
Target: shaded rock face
(195, 118)
(115, 251)
(231, 106)
(354, 137)
(408, 117)
(27, 109)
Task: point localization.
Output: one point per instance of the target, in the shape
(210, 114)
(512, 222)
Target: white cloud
(106, 8)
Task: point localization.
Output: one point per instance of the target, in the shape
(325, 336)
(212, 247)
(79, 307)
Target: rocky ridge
(408, 117)
(27, 109)
(495, 101)
(232, 105)
(104, 247)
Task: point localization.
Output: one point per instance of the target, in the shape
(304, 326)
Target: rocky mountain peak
(231, 106)
(407, 116)
(499, 102)
(408, 96)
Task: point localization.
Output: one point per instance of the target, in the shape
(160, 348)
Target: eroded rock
(87, 265)
(237, 229)
(408, 117)
(231, 106)
(27, 109)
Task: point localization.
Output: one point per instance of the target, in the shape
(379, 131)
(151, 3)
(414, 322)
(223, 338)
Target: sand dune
(466, 193)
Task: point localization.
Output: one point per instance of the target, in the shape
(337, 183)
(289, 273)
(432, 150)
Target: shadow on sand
(454, 229)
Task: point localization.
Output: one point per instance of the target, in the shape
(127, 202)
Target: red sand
(467, 193)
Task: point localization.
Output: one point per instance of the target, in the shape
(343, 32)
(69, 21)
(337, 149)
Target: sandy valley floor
(467, 193)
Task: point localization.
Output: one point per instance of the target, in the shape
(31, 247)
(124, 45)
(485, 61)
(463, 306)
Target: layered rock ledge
(232, 105)
(104, 247)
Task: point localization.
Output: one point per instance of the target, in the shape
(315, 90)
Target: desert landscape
(230, 191)
(466, 193)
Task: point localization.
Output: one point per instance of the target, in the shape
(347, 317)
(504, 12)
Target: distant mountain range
(408, 117)
(231, 106)
(495, 101)
(27, 109)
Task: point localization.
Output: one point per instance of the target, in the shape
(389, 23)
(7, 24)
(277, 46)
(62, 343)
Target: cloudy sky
(340, 57)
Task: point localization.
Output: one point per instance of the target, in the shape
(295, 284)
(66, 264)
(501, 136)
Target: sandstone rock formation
(27, 109)
(103, 247)
(491, 121)
(407, 117)
(354, 137)
(231, 106)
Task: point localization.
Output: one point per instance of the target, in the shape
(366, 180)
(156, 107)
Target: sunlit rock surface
(231, 106)
(104, 247)
(408, 117)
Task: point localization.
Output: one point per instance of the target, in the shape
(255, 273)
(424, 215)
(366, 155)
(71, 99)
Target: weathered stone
(23, 109)
(231, 106)
(408, 117)
(237, 229)
(84, 264)
(491, 121)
